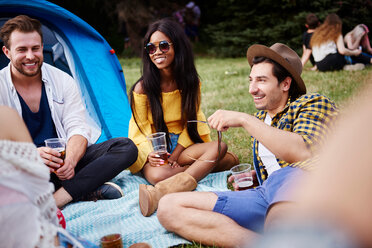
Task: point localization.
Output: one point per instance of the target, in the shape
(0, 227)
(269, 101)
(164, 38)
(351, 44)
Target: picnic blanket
(92, 220)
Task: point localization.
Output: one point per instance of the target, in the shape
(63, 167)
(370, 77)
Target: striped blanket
(92, 220)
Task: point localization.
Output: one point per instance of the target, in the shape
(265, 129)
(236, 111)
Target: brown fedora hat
(284, 56)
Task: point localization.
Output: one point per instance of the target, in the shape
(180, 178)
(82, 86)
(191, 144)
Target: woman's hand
(155, 160)
(173, 163)
(172, 160)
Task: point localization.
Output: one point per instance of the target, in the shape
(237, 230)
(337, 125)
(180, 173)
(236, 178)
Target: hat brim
(264, 51)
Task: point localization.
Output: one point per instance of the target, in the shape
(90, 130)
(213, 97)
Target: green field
(225, 86)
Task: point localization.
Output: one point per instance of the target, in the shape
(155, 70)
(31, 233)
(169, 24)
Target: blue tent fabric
(94, 66)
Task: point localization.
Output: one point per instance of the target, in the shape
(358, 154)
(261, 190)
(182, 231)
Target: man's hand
(50, 157)
(224, 119)
(67, 171)
(236, 187)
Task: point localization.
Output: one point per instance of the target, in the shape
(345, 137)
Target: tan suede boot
(227, 162)
(149, 195)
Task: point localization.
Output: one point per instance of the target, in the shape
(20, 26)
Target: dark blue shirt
(39, 124)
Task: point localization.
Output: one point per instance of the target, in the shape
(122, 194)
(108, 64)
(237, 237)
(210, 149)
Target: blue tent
(75, 47)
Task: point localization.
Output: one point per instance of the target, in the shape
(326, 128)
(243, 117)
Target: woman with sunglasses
(165, 99)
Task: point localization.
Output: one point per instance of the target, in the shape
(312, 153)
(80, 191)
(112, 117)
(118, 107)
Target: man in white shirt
(51, 106)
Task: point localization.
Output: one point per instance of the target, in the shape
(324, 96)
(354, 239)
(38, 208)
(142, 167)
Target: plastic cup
(158, 144)
(242, 175)
(112, 241)
(57, 144)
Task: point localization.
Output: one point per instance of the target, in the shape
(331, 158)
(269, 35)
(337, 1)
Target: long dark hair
(184, 73)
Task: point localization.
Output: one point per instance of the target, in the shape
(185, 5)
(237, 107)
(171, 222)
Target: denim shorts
(249, 207)
(174, 140)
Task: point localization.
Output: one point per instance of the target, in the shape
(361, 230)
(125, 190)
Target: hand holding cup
(54, 152)
(158, 144)
(241, 176)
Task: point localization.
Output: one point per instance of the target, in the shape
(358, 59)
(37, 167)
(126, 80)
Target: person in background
(192, 21)
(286, 133)
(178, 14)
(312, 22)
(50, 104)
(164, 99)
(328, 47)
(358, 39)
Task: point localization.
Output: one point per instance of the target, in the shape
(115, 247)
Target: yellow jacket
(171, 104)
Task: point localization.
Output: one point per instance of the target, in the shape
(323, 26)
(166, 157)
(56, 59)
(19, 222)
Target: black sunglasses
(163, 46)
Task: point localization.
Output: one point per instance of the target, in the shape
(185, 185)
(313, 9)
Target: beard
(28, 74)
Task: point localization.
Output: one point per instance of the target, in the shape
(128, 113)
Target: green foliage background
(229, 27)
(237, 24)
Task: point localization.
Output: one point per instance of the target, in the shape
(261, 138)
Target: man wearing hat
(286, 132)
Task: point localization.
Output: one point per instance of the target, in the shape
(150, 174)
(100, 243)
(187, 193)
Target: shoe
(149, 195)
(108, 191)
(354, 67)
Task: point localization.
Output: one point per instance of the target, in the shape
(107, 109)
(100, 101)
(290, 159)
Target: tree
(137, 15)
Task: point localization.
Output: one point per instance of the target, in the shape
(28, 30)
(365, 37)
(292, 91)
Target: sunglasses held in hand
(163, 46)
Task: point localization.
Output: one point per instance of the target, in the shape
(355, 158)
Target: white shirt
(268, 158)
(320, 52)
(64, 99)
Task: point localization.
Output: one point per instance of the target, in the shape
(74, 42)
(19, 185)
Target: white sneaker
(354, 67)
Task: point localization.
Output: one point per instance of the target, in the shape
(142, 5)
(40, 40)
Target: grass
(225, 86)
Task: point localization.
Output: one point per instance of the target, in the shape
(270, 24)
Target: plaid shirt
(309, 116)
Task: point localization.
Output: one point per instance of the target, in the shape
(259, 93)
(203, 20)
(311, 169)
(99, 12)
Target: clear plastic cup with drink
(57, 144)
(242, 175)
(158, 144)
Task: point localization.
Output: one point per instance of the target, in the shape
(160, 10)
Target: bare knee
(278, 211)
(214, 147)
(154, 178)
(155, 175)
(223, 148)
(168, 209)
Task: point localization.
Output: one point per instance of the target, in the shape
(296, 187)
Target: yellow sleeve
(203, 130)
(135, 134)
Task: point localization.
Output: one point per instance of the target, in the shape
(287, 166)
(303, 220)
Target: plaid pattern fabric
(309, 116)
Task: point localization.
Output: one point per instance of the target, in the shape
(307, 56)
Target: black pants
(100, 163)
(332, 62)
(336, 61)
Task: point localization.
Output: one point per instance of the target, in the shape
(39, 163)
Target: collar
(262, 114)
